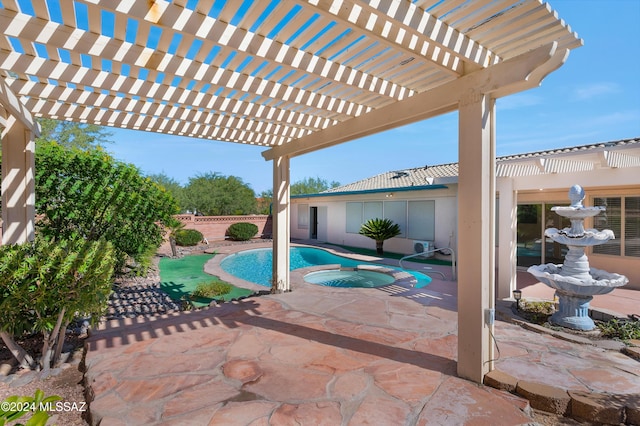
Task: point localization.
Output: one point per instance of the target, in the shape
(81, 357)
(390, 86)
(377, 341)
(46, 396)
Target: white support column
(18, 183)
(281, 225)
(476, 237)
(507, 235)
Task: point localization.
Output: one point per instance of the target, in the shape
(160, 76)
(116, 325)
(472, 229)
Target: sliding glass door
(533, 247)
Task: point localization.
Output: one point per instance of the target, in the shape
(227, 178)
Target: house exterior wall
(336, 213)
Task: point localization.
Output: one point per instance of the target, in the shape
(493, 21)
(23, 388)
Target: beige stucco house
(424, 202)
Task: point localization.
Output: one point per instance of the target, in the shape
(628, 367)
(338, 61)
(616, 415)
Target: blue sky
(594, 97)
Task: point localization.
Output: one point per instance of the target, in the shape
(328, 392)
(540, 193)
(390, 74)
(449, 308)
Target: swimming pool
(256, 265)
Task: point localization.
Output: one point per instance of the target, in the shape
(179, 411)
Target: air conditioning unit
(423, 246)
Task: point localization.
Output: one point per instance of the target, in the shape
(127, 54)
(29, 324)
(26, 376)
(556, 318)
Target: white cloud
(518, 101)
(618, 117)
(595, 90)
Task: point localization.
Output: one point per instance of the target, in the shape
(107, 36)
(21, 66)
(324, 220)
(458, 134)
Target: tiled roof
(532, 163)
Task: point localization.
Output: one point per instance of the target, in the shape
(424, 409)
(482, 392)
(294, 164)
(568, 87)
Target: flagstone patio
(332, 356)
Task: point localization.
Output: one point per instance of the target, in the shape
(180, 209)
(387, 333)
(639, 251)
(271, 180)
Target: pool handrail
(453, 261)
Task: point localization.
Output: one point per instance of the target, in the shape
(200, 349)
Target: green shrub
(536, 312)
(211, 289)
(620, 329)
(242, 231)
(45, 284)
(188, 237)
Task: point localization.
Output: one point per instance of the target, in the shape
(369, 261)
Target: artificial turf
(179, 277)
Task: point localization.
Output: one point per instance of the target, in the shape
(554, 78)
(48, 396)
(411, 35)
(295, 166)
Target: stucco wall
(445, 218)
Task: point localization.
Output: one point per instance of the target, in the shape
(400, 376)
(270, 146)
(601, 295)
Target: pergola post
(476, 224)
(18, 183)
(281, 227)
(507, 238)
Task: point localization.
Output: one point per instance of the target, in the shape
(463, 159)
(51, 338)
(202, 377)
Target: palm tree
(379, 230)
(174, 226)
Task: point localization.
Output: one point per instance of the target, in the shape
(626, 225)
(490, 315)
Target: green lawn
(179, 277)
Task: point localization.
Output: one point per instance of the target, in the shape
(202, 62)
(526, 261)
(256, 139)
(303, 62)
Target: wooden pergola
(293, 76)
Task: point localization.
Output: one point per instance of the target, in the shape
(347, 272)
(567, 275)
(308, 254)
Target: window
(422, 220)
(303, 216)
(415, 218)
(397, 212)
(623, 218)
(372, 210)
(632, 226)
(354, 217)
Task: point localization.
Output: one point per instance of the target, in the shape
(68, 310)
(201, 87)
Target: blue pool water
(359, 278)
(256, 265)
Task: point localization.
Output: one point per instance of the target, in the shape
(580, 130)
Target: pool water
(256, 265)
(359, 278)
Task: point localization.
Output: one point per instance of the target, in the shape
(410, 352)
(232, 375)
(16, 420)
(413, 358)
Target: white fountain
(575, 282)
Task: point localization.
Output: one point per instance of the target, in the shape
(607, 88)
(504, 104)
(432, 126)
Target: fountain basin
(600, 282)
(577, 212)
(586, 238)
(575, 294)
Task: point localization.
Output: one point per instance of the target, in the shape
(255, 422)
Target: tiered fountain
(575, 282)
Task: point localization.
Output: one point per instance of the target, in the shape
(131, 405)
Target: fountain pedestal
(575, 282)
(573, 312)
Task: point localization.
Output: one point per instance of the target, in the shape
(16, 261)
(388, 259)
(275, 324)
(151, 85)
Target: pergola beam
(15, 108)
(511, 76)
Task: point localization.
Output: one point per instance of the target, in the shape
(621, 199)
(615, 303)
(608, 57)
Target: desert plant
(242, 231)
(379, 230)
(621, 329)
(187, 237)
(536, 312)
(211, 289)
(173, 226)
(45, 284)
(15, 407)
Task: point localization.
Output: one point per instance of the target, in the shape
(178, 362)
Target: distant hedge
(188, 237)
(242, 231)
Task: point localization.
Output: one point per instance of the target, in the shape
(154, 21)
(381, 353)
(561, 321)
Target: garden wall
(213, 228)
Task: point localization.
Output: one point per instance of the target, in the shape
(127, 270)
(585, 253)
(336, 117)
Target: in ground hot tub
(350, 277)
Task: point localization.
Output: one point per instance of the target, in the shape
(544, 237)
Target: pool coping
(296, 276)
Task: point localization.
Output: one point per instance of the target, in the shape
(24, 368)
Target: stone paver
(330, 356)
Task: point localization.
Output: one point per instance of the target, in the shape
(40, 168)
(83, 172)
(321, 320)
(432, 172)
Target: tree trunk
(49, 342)
(172, 243)
(60, 343)
(379, 247)
(20, 354)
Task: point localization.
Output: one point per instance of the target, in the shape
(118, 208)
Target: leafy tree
(72, 135)
(172, 186)
(264, 201)
(90, 194)
(379, 230)
(312, 186)
(214, 195)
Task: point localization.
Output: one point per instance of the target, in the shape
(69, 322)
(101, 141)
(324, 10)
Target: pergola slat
(273, 73)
